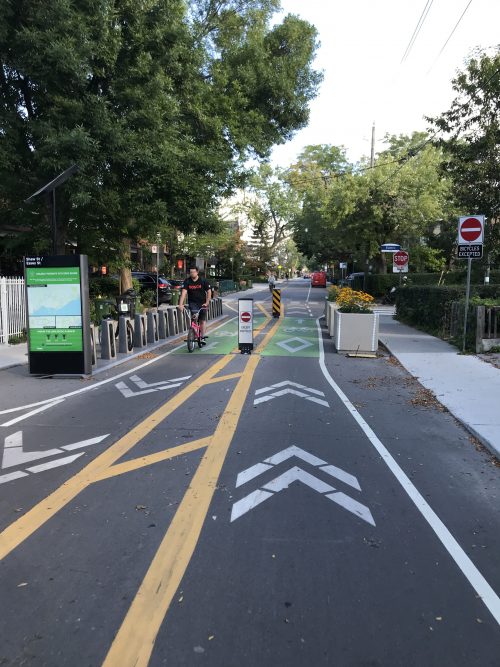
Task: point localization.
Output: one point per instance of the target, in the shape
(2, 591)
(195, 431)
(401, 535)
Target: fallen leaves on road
(147, 355)
(481, 448)
(425, 398)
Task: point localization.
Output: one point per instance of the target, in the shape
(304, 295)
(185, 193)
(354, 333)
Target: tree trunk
(125, 279)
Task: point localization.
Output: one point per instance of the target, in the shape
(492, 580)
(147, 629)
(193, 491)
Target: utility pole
(372, 152)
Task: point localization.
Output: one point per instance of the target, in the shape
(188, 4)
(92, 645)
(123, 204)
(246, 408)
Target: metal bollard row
(127, 335)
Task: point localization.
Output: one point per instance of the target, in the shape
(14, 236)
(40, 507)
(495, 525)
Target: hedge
(427, 306)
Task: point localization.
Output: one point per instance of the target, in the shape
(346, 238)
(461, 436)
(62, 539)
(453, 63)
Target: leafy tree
(158, 106)
(394, 202)
(314, 176)
(471, 128)
(270, 210)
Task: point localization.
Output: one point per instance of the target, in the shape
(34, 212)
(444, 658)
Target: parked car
(356, 280)
(318, 279)
(148, 282)
(175, 284)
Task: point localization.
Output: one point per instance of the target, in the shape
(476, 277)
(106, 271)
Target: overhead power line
(418, 28)
(450, 36)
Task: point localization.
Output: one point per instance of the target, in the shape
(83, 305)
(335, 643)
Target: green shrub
(105, 287)
(427, 306)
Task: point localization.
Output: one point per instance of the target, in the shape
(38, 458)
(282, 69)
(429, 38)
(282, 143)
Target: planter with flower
(355, 326)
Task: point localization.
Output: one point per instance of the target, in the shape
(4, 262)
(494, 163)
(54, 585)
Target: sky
(365, 82)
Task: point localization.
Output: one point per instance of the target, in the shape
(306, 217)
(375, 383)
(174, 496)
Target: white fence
(12, 308)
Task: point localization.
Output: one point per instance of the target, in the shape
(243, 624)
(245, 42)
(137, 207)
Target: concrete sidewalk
(466, 385)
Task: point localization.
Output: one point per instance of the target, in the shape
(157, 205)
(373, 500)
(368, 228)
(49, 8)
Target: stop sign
(246, 316)
(400, 258)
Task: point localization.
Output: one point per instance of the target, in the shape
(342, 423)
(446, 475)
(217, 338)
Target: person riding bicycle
(272, 281)
(198, 294)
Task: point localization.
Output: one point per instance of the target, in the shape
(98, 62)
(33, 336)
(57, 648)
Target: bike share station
(57, 299)
(245, 325)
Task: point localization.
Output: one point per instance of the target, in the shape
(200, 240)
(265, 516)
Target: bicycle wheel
(191, 340)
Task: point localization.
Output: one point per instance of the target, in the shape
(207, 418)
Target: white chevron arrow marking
(148, 388)
(288, 453)
(296, 474)
(283, 392)
(161, 385)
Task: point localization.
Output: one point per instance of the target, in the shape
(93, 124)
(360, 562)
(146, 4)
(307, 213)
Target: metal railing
(12, 308)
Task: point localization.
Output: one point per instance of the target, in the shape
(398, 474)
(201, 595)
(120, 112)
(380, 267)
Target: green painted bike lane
(296, 337)
(223, 340)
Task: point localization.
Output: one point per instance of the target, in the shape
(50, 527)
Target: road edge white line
(465, 564)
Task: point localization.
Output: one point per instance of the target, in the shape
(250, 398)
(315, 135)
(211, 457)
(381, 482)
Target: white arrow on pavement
(163, 384)
(15, 455)
(296, 474)
(146, 388)
(283, 392)
(210, 346)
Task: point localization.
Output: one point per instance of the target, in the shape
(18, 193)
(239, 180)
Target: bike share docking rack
(121, 338)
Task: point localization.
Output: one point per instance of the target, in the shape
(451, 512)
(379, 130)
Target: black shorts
(202, 314)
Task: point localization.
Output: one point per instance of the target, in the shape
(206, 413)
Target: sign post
(470, 246)
(57, 297)
(245, 325)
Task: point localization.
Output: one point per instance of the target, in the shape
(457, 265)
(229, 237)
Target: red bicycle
(194, 332)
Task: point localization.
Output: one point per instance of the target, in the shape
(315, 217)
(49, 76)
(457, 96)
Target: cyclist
(198, 294)
(272, 281)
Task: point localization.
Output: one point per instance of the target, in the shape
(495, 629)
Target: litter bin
(126, 303)
(176, 295)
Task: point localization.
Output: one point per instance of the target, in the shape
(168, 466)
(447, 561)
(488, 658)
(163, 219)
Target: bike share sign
(57, 296)
(245, 325)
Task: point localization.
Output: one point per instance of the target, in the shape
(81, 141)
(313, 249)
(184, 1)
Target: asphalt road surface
(289, 507)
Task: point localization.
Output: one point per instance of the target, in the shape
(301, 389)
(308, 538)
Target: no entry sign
(471, 229)
(245, 325)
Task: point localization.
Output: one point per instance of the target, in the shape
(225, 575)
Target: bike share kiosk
(245, 326)
(57, 298)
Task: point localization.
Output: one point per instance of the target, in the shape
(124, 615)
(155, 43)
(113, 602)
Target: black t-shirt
(196, 290)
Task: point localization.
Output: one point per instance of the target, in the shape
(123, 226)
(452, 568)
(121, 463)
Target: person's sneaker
(202, 342)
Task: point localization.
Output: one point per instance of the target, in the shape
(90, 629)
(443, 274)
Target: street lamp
(232, 268)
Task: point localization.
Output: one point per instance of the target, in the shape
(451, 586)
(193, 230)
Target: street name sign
(390, 247)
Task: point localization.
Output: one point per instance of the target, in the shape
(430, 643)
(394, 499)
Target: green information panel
(54, 309)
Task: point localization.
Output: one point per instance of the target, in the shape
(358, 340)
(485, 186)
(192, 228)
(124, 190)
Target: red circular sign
(471, 229)
(400, 258)
(246, 317)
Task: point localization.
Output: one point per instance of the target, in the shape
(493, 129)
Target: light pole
(232, 268)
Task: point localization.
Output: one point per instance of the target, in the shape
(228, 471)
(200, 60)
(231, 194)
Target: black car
(148, 282)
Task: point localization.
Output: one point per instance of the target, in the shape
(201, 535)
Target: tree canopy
(159, 104)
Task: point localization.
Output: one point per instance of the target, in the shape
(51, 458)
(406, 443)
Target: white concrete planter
(355, 332)
(331, 307)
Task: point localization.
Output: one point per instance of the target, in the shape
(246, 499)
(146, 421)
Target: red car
(318, 279)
